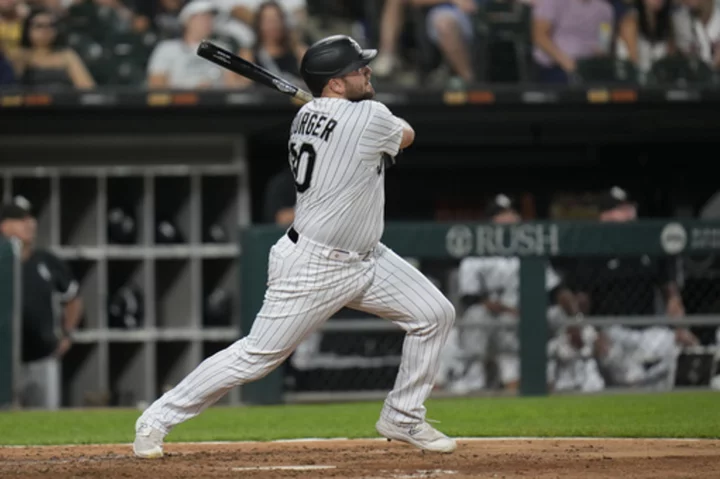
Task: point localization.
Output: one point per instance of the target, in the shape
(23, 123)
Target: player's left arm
(408, 136)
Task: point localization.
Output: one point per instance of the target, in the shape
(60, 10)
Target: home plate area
(371, 458)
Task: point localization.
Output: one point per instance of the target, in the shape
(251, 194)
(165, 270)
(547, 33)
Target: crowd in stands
(86, 44)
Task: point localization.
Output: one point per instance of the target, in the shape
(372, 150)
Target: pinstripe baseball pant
(308, 283)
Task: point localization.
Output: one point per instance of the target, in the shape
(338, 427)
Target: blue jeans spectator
(7, 75)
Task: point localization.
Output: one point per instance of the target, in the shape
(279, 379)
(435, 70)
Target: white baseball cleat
(148, 442)
(422, 435)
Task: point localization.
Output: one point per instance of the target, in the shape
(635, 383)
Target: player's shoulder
(377, 108)
(329, 103)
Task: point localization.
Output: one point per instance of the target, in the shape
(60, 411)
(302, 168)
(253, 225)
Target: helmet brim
(366, 56)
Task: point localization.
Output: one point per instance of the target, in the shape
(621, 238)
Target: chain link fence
(592, 351)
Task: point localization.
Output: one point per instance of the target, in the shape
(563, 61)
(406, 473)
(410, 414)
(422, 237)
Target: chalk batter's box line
(338, 439)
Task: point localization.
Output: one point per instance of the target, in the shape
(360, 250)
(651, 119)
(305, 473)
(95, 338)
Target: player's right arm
(408, 136)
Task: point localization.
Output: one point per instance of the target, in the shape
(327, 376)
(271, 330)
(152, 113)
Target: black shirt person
(279, 200)
(45, 337)
(627, 286)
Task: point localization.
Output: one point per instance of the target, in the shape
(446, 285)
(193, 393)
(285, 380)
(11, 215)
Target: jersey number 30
(302, 170)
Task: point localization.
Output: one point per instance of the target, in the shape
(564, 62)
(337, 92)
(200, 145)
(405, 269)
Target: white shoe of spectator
(385, 65)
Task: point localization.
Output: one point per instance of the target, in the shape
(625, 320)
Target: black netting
(358, 352)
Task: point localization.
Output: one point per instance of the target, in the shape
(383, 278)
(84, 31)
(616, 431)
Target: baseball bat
(236, 64)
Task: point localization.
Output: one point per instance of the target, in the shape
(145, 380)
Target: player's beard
(362, 93)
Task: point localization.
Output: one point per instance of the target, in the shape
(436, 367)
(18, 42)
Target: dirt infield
(517, 458)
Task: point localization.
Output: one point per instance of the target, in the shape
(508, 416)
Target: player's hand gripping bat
(236, 64)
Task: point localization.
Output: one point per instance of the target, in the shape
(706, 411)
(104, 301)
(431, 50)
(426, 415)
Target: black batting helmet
(332, 57)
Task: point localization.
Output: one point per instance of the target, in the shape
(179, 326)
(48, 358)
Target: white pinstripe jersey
(335, 152)
(497, 278)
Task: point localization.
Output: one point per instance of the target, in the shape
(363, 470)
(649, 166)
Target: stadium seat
(503, 30)
(96, 21)
(84, 19)
(678, 70)
(111, 21)
(131, 46)
(127, 73)
(605, 71)
(93, 53)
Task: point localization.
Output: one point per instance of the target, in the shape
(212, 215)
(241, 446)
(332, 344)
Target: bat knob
(204, 45)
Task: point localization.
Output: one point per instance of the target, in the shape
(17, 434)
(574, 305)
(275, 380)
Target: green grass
(677, 415)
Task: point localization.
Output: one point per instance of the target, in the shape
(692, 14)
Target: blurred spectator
(696, 27)
(44, 59)
(654, 39)
(279, 201)
(7, 75)
(276, 48)
(626, 27)
(612, 286)
(450, 27)
(236, 18)
(46, 337)
(160, 16)
(490, 288)
(12, 17)
(175, 64)
(391, 23)
(57, 7)
(565, 31)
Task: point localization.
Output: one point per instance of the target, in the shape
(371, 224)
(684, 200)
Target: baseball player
(629, 286)
(330, 258)
(490, 287)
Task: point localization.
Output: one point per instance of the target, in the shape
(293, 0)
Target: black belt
(293, 235)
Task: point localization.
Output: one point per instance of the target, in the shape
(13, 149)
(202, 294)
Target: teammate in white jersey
(331, 258)
(487, 330)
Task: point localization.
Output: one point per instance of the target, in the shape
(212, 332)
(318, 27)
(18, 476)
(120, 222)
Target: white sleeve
(383, 133)
(470, 278)
(161, 59)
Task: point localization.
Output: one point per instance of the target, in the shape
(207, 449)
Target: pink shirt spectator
(581, 28)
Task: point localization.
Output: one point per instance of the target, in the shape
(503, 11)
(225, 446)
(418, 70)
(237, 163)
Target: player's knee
(262, 360)
(445, 315)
